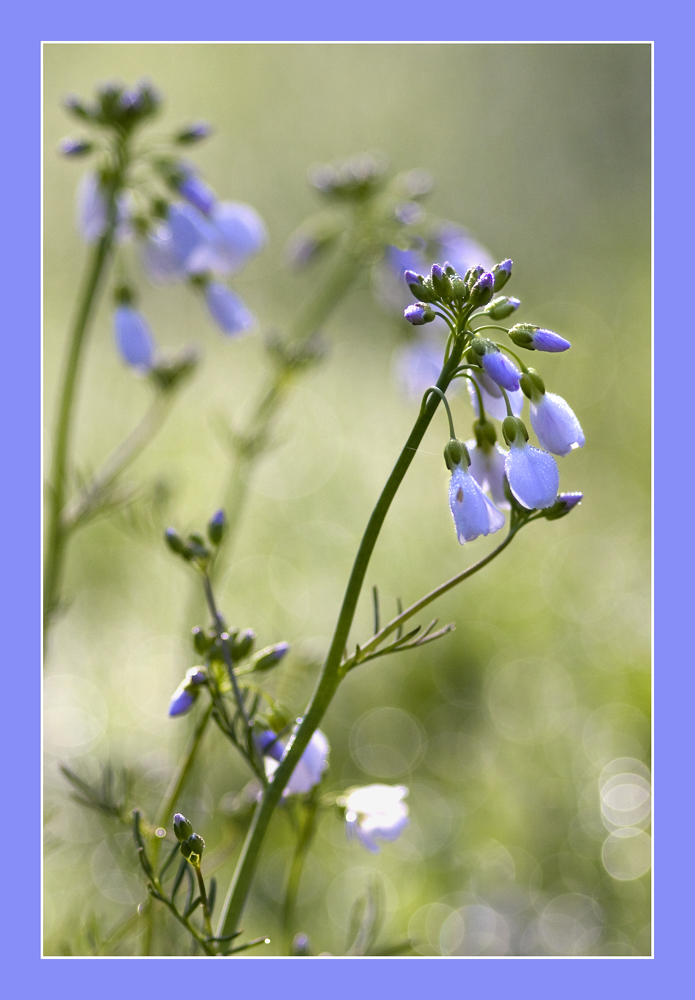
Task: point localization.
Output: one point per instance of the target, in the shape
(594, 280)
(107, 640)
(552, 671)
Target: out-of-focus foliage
(513, 732)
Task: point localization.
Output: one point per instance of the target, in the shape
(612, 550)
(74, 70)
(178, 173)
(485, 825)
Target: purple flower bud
(546, 340)
(482, 290)
(501, 370)
(269, 744)
(501, 274)
(419, 313)
(532, 474)
(437, 271)
(134, 338)
(197, 193)
(227, 309)
(412, 278)
(474, 514)
(555, 424)
(75, 147)
(570, 500)
(195, 132)
(182, 700)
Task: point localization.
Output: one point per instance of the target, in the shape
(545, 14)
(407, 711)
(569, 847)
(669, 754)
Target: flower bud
(193, 133)
(441, 282)
(563, 505)
(175, 542)
(502, 306)
(75, 147)
(182, 828)
(216, 527)
(472, 275)
(419, 313)
(485, 434)
(459, 289)
(501, 274)
(269, 657)
(192, 848)
(196, 547)
(242, 645)
(521, 334)
(482, 290)
(201, 641)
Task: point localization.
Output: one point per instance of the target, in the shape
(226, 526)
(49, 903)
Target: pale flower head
(375, 811)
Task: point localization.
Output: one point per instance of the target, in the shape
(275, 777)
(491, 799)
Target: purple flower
(375, 811)
(501, 370)
(236, 233)
(227, 309)
(487, 469)
(555, 424)
(310, 767)
(168, 252)
(493, 400)
(532, 474)
(474, 514)
(134, 338)
(197, 192)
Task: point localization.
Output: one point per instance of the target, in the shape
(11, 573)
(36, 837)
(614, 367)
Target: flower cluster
(523, 475)
(154, 196)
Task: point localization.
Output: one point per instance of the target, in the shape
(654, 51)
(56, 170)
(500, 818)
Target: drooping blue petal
(197, 193)
(92, 212)
(134, 338)
(237, 232)
(181, 701)
(493, 400)
(533, 476)
(473, 513)
(555, 424)
(227, 309)
(501, 370)
(487, 468)
(310, 767)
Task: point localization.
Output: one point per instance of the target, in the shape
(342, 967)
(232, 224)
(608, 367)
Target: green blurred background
(507, 731)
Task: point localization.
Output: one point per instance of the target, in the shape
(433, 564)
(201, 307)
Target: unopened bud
(502, 306)
(481, 292)
(175, 542)
(182, 828)
(419, 313)
(270, 656)
(243, 644)
(192, 848)
(563, 505)
(216, 527)
(501, 274)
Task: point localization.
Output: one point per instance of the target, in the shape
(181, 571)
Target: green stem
(301, 851)
(166, 810)
(333, 671)
(83, 505)
(94, 279)
(204, 898)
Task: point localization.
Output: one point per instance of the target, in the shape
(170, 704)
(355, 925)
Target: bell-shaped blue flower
(487, 469)
(474, 514)
(134, 338)
(501, 370)
(169, 252)
(237, 232)
(493, 400)
(310, 767)
(532, 474)
(555, 424)
(227, 309)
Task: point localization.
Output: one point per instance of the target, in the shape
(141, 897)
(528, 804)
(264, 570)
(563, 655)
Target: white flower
(310, 767)
(375, 811)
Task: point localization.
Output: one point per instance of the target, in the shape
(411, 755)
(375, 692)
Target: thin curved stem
(299, 857)
(333, 671)
(433, 388)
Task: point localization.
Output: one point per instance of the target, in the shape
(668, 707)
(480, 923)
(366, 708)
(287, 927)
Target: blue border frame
(75, 20)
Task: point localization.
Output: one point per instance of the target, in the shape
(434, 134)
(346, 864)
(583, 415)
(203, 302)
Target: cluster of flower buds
(195, 549)
(186, 233)
(192, 844)
(355, 179)
(523, 475)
